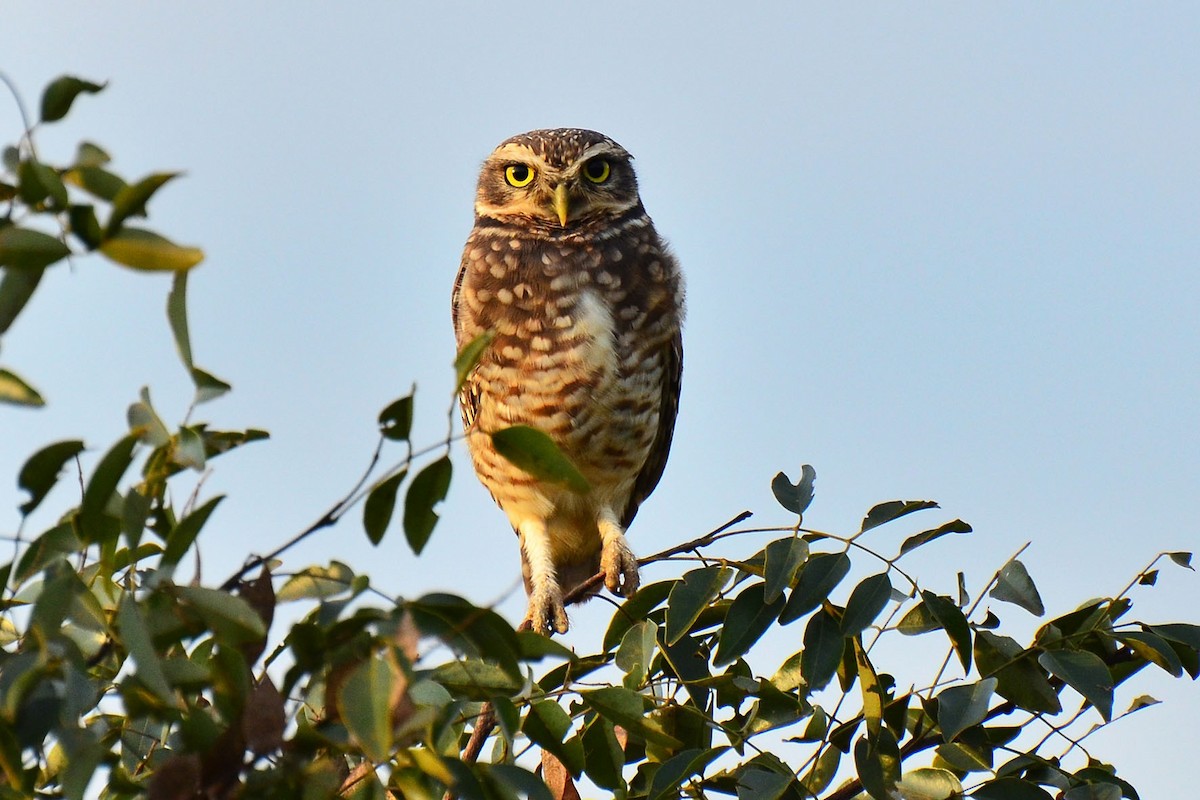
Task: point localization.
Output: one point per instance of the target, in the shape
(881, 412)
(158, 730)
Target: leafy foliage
(116, 677)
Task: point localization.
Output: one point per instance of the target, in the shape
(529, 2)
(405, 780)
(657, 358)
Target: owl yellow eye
(518, 175)
(597, 170)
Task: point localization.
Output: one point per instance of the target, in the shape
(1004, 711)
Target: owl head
(562, 178)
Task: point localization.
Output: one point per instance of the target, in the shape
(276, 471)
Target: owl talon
(620, 567)
(547, 614)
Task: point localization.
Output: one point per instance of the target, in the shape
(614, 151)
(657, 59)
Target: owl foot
(620, 567)
(546, 613)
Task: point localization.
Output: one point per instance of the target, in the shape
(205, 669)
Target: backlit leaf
(1019, 677)
(183, 535)
(929, 783)
(1010, 789)
(536, 453)
(226, 614)
(1183, 559)
(41, 471)
(14, 390)
(177, 317)
(679, 769)
(317, 583)
(877, 759)
(95, 181)
(427, 489)
(547, 726)
(1013, 585)
(795, 497)
(146, 250)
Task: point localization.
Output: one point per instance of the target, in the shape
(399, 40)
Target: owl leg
(546, 612)
(617, 561)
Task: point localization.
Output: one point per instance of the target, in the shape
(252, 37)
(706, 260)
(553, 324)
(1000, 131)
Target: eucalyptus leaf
(536, 453)
(58, 97)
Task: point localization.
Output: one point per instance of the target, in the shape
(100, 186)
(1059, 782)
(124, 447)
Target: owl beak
(562, 204)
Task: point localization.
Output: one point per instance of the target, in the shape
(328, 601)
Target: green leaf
(426, 491)
(91, 155)
(1010, 789)
(1154, 649)
(818, 578)
(1019, 678)
(131, 200)
(210, 387)
(135, 636)
(798, 496)
(38, 182)
(363, 704)
(783, 558)
(468, 357)
(146, 250)
(1182, 559)
(475, 679)
(536, 453)
(893, 509)
(96, 181)
(818, 778)
(51, 545)
(181, 537)
(961, 707)
(395, 421)
(26, 248)
(317, 583)
(873, 694)
(866, 602)
(1094, 791)
(102, 486)
(919, 619)
(638, 647)
(678, 769)
(1182, 632)
(954, 526)
(1013, 585)
(603, 754)
(16, 287)
(877, 759)
(189, 450)
(690, 596)
(823, 646)
(467, 628)
(145, 423)
(15, 391)
(61, 93)
(1085, 673)
(225, 613)
(381, 502)
(547, 726)
(747, 620)
(41, 471)
(634, 610)
(627, 709)
(951, 618)
(84, 225)
(177, 318)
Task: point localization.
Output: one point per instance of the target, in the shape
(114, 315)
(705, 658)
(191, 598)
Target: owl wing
(668, 408)
(468, 398)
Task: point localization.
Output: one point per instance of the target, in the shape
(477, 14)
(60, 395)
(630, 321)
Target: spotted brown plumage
(585, 302)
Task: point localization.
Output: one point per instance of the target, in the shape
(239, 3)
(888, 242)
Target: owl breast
(579, 353)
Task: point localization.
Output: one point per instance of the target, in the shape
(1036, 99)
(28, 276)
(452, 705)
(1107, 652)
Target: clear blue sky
(936, 250)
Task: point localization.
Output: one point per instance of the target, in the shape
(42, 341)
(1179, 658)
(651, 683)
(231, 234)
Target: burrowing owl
(586, 303)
